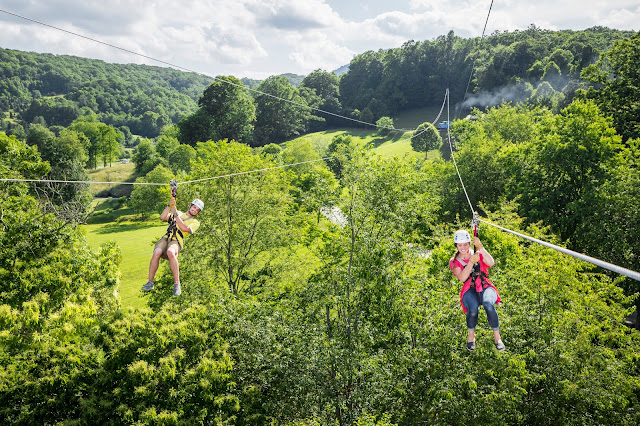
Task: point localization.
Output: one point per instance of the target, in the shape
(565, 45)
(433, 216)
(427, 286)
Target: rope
(453, 157)
(242, 86)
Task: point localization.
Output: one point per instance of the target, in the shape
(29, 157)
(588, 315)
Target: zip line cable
(454, 158)
(241, 86)
(444, 100)
(606, 265)
(464, 98)
(163, 184)
(79, 181)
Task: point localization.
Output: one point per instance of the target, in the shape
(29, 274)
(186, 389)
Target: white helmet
(461, 236)
(198, 203)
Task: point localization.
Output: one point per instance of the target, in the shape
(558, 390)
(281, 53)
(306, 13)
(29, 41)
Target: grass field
(135, 239)
(397, 143)
(111, 220)
(118, 172)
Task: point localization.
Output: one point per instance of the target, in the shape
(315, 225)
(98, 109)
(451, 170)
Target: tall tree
(108, 148)
(426, 138)
(326, 86)
(281, 111)
(617, 90)
(244, 217)
(574, 157)
(231, 109)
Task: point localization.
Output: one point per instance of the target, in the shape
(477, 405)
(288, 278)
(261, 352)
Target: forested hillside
(290, 317)
(53, 89)
(538, 66)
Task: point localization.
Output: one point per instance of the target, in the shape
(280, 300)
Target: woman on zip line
(472, 269)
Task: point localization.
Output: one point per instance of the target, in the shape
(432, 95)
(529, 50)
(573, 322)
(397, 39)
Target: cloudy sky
(259, 38)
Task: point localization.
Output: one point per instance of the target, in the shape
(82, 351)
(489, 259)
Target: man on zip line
(169, 246)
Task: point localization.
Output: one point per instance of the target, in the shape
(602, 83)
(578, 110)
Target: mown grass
(112, 220)
(134, 238)
(117, 172)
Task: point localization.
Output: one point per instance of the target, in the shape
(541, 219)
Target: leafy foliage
(58, 87)
(426, 138)
(289, 318)
(617, 80)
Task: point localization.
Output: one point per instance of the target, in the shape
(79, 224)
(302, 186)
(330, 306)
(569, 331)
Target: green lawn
(117, 172)
(136, 240)
(397, 143)
(385, 146)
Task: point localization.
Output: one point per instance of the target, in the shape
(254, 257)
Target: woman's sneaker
(471, 346)
(176, 289)
(148, 286)
(500, 346)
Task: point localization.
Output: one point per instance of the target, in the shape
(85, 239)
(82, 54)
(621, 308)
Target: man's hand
(172, 203)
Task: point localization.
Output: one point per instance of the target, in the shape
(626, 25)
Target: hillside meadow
(111, 220)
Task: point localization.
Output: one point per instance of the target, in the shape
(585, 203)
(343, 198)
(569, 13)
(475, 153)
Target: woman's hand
(477, 244)
(475, 258)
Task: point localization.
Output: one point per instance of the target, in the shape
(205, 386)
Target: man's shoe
(471, 346)
(500, 346)
(148, 286)
(176, 289)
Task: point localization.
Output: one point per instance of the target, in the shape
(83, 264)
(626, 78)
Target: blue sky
(259, 38)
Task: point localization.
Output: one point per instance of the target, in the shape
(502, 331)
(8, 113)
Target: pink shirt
(479, 284)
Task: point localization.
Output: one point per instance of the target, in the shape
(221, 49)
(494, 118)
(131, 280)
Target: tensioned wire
(601, 263)
(464, 98)
(606, 265)
(241, 86)
(163, 184)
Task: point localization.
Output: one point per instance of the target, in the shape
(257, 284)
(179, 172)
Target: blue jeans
(489, 298)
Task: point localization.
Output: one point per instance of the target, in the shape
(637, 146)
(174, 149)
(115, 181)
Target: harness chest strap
(173, 230)
(477, 276)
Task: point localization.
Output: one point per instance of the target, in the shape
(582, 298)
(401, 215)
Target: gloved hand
(477, 244)
(475, 258)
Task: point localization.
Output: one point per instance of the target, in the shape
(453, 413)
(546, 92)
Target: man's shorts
(164, 244)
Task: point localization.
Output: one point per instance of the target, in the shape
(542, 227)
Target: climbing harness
(172, 230)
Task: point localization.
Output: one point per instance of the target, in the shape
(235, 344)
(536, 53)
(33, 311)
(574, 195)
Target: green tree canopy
(617, 90)
(278, 119)
(231, 109)
(426, 138)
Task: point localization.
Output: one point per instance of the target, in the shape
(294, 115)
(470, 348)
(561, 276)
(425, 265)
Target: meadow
(113, 220)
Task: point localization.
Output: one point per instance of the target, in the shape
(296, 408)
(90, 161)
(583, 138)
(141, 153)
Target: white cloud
(295, 15)
(318, 51)
(258, 37)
